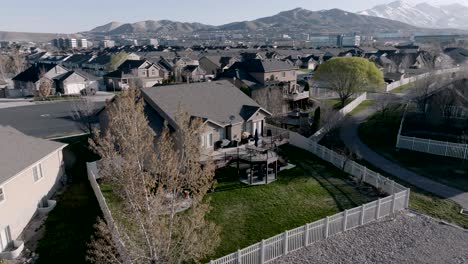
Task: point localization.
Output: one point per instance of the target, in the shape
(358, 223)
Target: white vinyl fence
(93, 174)
(441, 148)
(280, 245)
(405, 81)
(340, 115)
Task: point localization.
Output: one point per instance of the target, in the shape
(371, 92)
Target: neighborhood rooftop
(220, 102)
(19, 151)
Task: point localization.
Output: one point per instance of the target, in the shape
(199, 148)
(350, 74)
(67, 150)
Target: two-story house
(143, 72)
(31, 169)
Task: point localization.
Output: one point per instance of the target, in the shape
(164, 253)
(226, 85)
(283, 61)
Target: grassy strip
(362, 106)
(69, 226)
(402, 88)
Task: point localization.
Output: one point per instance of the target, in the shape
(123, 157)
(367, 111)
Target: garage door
(74, 88)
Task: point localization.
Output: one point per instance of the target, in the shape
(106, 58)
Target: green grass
(362, 106)
(380, 133)
(309, 192)
(336, 102)
(69, 226)
(402, 88)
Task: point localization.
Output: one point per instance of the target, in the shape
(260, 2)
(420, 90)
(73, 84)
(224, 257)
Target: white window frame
(207, 140)
(37, 173)
(2, 195)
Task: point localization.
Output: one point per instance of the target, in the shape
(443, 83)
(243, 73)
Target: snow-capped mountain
(423, 14)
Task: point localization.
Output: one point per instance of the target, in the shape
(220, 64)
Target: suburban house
(71, 82)
(231, 117)
(31, 169)
(100, 65)
(263, 77)
(194, 73)
(214, 65)
(144, 71)
(76, 61)
(63, 81)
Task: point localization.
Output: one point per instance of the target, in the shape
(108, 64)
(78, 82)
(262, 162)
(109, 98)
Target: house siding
(18, 208)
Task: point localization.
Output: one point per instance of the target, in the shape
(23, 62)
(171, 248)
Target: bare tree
(3, 72)
(45, 85)
(385, 104)
(84, 112)
(271, 98)
(154, 180)
(16, 61)
(422, 88)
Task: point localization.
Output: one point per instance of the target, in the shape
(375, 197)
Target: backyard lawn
(309, 192)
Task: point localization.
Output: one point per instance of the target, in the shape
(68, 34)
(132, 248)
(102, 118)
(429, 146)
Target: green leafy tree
(116, 59)
(246, 90)
(350, 75)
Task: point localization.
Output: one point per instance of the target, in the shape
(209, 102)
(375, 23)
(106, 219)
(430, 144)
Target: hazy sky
(67, 16)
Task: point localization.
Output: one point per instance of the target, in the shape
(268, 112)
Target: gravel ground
(408, 238)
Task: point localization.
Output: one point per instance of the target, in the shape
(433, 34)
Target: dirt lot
(408, 238)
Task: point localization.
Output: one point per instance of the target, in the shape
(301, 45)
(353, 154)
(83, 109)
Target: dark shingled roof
(216, 101)
(18, 151)
(265, 65)
(32, 73)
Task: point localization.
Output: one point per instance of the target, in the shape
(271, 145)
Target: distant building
(324, 41)
(107, 43)
(70, 43)
(145, 42)
(83, 43)
(349, 41)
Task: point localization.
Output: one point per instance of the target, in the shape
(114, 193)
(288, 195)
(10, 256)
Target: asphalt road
(47, 120)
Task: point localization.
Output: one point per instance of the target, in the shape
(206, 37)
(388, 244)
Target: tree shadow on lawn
(330, 178)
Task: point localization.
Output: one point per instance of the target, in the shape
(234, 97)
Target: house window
(2, 195)
(37, 172)
(207, 140)
(283, 74)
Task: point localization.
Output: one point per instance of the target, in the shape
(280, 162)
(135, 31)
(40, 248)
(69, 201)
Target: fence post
(428, 146)
(393, 203)
(408, 192)
(363, 212)
(262, 252)
(412, 146)
(345, 220)
(239, 257)
(377, 210)
(364, 174)
(393, 187)
(377, 181)
(327, 223)
(286, 243)
(306, 235)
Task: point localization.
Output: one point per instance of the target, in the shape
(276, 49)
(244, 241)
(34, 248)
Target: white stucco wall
(22, 194)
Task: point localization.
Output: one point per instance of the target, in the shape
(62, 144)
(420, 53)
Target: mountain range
(423, 14)
(296, 20)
